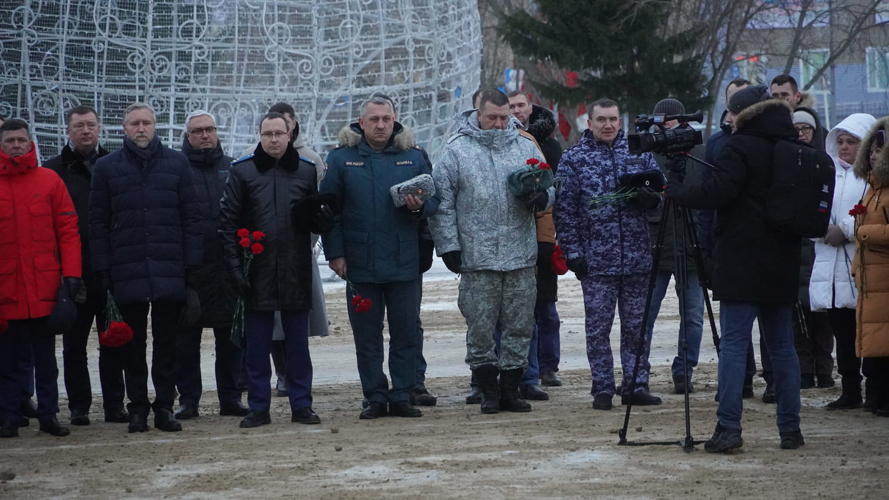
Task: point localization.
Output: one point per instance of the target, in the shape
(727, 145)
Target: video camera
(679, 139)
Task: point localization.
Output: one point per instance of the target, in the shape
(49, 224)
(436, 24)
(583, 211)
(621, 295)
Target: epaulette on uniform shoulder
(245, 158)
(307, 160)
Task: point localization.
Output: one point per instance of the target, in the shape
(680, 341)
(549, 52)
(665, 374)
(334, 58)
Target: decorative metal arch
(235, 58)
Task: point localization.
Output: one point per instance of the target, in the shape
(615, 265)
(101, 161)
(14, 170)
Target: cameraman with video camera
(757, 265)
(692, 315)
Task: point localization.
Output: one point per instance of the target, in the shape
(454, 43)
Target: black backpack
(800, 197)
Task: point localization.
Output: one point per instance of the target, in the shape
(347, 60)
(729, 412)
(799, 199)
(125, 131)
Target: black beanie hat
(669, 107)
(747, 97)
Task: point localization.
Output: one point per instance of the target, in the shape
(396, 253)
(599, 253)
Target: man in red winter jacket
(39, 253)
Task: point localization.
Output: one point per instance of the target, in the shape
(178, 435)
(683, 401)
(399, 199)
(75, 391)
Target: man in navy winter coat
(146, 243)
(215, 287)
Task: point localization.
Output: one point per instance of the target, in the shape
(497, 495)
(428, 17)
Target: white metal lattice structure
(236, 58)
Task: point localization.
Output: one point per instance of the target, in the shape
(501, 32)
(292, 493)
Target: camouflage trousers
(600, 296)
(489, 297)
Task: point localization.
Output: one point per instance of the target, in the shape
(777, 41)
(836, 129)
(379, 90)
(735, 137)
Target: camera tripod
(683, 231)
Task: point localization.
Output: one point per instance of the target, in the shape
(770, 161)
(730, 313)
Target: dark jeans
(842, 322)
(400, 301)
(548, 343)
(22, 336)
(814, 344)
(736, 339)
(77, 377)
(188, 366)
(259, 325)
(164, 330)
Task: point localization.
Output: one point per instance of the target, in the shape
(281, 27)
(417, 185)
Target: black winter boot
(510, 395)
(475, 396)
(52, 426)
(849, 399)
(486, 377)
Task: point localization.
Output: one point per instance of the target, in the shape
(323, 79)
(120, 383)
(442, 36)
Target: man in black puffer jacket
(215, 287)
(757, 266)
(275, 191)
(146, 244)
(75, 166)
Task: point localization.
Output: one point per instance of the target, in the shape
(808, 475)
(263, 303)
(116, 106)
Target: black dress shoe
(533, 392)
(305, 415)
(404, 409)
(550, 379)
(475, 396)
(373, 411)
(255, 418)
(421, 397)
(9, 430)
(187, 411)
(138, 423)
(80, 417)
(52, 426)
(233, 409)
(641, 398)
(165, 421)
(116, 415)
(769, 396)
(28, 408)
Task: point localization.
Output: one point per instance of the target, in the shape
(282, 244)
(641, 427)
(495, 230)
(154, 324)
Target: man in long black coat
(215, 287)
(263, 193)
(146, 244)
(75, 166)
(757, 266)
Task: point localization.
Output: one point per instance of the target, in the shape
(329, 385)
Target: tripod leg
(682, 234)
(640, 344)
(703, 278)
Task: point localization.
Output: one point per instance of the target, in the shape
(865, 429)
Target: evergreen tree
(620, 49)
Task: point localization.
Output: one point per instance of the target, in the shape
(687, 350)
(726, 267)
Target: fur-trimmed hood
(541, 123)
(856, 124)
(402, 137)
(880, 169)
(753, 119)
(806, 100)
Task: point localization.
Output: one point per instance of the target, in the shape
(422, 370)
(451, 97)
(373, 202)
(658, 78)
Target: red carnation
(117, 334)
(356, 300)
(243, 233)
(4, 325)
(245, 242)
(258, 235)
(533, 161)
(544, 166)
(858, 210)
(256, 248)
(364, 306)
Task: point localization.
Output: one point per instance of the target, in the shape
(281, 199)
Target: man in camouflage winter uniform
(489, 235)
(607, 247)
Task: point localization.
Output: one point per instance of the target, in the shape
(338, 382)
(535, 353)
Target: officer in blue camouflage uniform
(489, 235)
(607, 247)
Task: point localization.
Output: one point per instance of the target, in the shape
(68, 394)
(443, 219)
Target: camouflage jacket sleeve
(443, 225)
(567, 210)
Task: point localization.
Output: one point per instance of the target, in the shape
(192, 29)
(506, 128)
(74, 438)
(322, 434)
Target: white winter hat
(804, 117)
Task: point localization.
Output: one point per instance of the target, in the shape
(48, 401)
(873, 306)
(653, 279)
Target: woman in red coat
(39, 252)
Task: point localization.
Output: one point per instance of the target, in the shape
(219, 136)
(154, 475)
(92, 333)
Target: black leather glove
(323, 221)
(453, 260)
(191, 276)
(647, 198)
(578, 267)
(427, 250)
(537, 201)
(242, 283)
(103, 284)
(76, 289)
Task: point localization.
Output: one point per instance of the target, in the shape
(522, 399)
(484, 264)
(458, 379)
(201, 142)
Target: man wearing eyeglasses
(275, 191)
(75, 166)
(214, 286)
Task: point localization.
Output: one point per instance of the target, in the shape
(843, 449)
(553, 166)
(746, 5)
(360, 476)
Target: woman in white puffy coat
(832, 287)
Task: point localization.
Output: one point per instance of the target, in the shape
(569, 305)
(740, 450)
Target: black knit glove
(453, 260)
(578, 267)
(647, 198)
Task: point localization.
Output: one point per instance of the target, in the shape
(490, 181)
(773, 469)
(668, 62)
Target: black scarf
(142, 155)
(202, 158)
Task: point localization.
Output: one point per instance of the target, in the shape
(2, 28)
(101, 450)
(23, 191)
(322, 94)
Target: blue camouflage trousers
(489, 297)
(600, 296)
